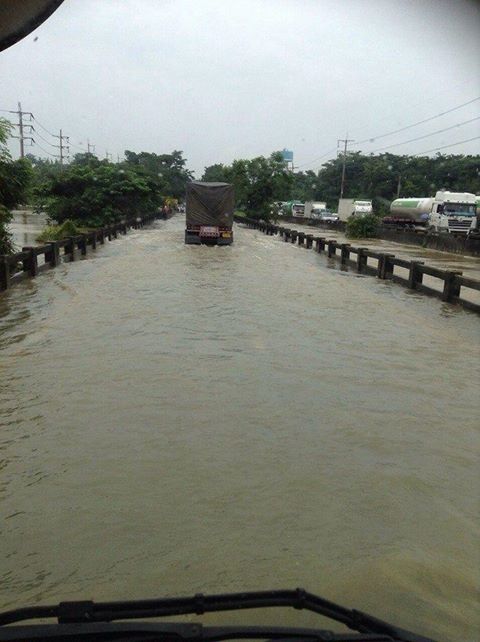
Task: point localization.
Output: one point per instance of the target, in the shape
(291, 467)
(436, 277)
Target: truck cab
(454, 213)
(362, 208)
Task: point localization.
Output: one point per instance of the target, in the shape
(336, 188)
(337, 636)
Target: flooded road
(470, 265)
(177, 419)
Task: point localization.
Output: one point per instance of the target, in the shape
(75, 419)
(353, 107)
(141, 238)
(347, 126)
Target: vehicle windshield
(463, 209)
(221, 368)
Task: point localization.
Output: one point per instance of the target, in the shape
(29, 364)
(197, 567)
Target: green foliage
(58, 232)
(167, 171)
(304, 186)
(15, 180)
(376, 177)
(358, 227)
(257, 182)
(6, 242)
(6, 129)
(97, 194)
(215, 174)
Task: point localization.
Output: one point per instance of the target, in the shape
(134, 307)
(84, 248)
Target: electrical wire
(44, 139)
(44, 150)
(316, 159)
(77, 146)
(439, 131)
(43, 127)
(460, 142)
(397, 131)
(420, 122)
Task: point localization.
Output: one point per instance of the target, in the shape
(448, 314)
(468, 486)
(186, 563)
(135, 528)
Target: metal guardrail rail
(452, 282)
(25, 264)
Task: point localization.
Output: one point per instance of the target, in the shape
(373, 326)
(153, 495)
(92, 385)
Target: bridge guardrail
(453, 283)
(25, 264)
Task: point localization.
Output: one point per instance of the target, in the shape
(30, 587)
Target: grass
(59, 232)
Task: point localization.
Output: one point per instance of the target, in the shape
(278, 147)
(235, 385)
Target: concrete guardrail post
(415, 276)
(52, 256)
(30, 264)
(82, 244)
(344, 253)
(4, 273)
(451, 287)
(361, 259)
(70, 248)
(385, 266)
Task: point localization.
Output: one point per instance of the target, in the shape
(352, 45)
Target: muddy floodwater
(178, 419)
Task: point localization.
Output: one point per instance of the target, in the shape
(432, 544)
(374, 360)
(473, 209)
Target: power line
(420, 122)
(44, 139)
(78, 147)
(460, 142)
(432, 98)
(331, 151)
(397, 131)
(439, 131)
(44, 150)
(42, 126)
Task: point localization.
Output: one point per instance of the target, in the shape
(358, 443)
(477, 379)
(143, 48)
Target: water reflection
(179, 419)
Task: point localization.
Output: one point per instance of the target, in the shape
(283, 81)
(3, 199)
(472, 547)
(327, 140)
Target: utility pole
(21, 128)
(108, 156)
(345, 141)
(399, 185)
(90, 146)
(61, 146)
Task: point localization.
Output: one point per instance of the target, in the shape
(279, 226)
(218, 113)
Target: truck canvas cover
(210, 204)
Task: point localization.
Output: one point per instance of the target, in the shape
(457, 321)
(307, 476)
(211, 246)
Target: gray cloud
(221, 79)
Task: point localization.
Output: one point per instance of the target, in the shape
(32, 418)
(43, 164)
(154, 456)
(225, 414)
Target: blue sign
(287, 155)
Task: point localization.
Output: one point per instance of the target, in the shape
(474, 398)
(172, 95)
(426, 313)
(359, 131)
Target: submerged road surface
(177, 419)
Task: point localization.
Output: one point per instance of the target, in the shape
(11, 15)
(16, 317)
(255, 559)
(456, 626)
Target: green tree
(15, 181)
(259, 182)
(96, 195)
(215, 174)
(377, 177)
(169, 171)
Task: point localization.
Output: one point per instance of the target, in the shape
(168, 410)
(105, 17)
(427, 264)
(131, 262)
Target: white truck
(348, 207)
(345, 208)
(361, 208)
(314, 209)
(448, 212)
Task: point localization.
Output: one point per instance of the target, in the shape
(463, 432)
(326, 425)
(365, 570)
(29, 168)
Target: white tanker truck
(450, 212)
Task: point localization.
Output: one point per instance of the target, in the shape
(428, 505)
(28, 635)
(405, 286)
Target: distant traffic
(456, 213)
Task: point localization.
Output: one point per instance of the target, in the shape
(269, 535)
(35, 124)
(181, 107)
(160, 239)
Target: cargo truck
(345, 208)
(209, 213)
(362, 208)
(314, 209)
(293, 208)
(448, 212)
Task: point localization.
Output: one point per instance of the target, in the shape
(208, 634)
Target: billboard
(287, 155)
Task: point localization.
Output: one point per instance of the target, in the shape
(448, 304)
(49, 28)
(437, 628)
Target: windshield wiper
(88, 613)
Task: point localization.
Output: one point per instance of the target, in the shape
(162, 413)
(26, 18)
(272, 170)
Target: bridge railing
(35, 259)
(449, 285)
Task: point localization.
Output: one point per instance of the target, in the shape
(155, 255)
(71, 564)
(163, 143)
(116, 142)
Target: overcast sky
(225, 79)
